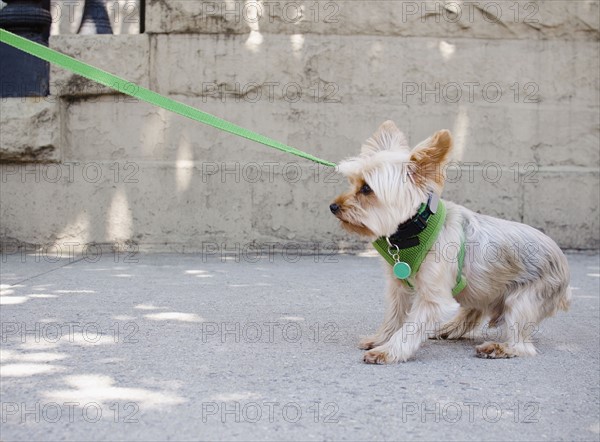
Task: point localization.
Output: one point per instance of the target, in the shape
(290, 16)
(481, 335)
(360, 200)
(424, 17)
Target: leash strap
(143, 94)
(461, 280)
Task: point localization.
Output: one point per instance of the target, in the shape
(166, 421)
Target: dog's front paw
(377, 356)
(368, 343)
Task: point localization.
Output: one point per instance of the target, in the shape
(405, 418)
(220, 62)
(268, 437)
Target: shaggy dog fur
(516, 275)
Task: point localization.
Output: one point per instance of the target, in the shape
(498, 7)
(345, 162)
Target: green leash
(141, 93)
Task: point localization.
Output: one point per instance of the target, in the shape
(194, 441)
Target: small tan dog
(523, 281)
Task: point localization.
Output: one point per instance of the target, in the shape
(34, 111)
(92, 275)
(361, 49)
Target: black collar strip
(406, 235)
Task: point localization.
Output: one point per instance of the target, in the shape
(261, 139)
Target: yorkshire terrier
(515, 275)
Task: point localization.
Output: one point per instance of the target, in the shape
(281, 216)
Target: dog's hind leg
(398, 301)
(523, 311)
(466, 320)
(544, 290)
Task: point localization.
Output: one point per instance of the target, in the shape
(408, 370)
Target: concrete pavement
(184, 347)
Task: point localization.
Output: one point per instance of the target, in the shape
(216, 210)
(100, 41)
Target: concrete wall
(518, 87)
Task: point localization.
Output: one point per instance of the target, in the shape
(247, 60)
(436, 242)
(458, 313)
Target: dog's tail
(564, 302)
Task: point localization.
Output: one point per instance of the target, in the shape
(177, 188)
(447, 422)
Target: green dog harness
(407, 248)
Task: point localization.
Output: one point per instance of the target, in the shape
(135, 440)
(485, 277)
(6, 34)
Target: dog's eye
(366, 189)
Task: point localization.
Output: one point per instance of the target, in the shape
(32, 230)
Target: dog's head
(389, 181)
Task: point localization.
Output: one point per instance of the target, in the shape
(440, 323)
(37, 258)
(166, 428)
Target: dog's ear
(428, 159)
(387, 137)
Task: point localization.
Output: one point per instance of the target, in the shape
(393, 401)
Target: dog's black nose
(334, 208)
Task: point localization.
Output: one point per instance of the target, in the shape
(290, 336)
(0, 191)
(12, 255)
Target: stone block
(30, 130)
(517, 73)
(527, 20)
(126, 56)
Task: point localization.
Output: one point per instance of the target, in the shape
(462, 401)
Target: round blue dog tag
(402, 270)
